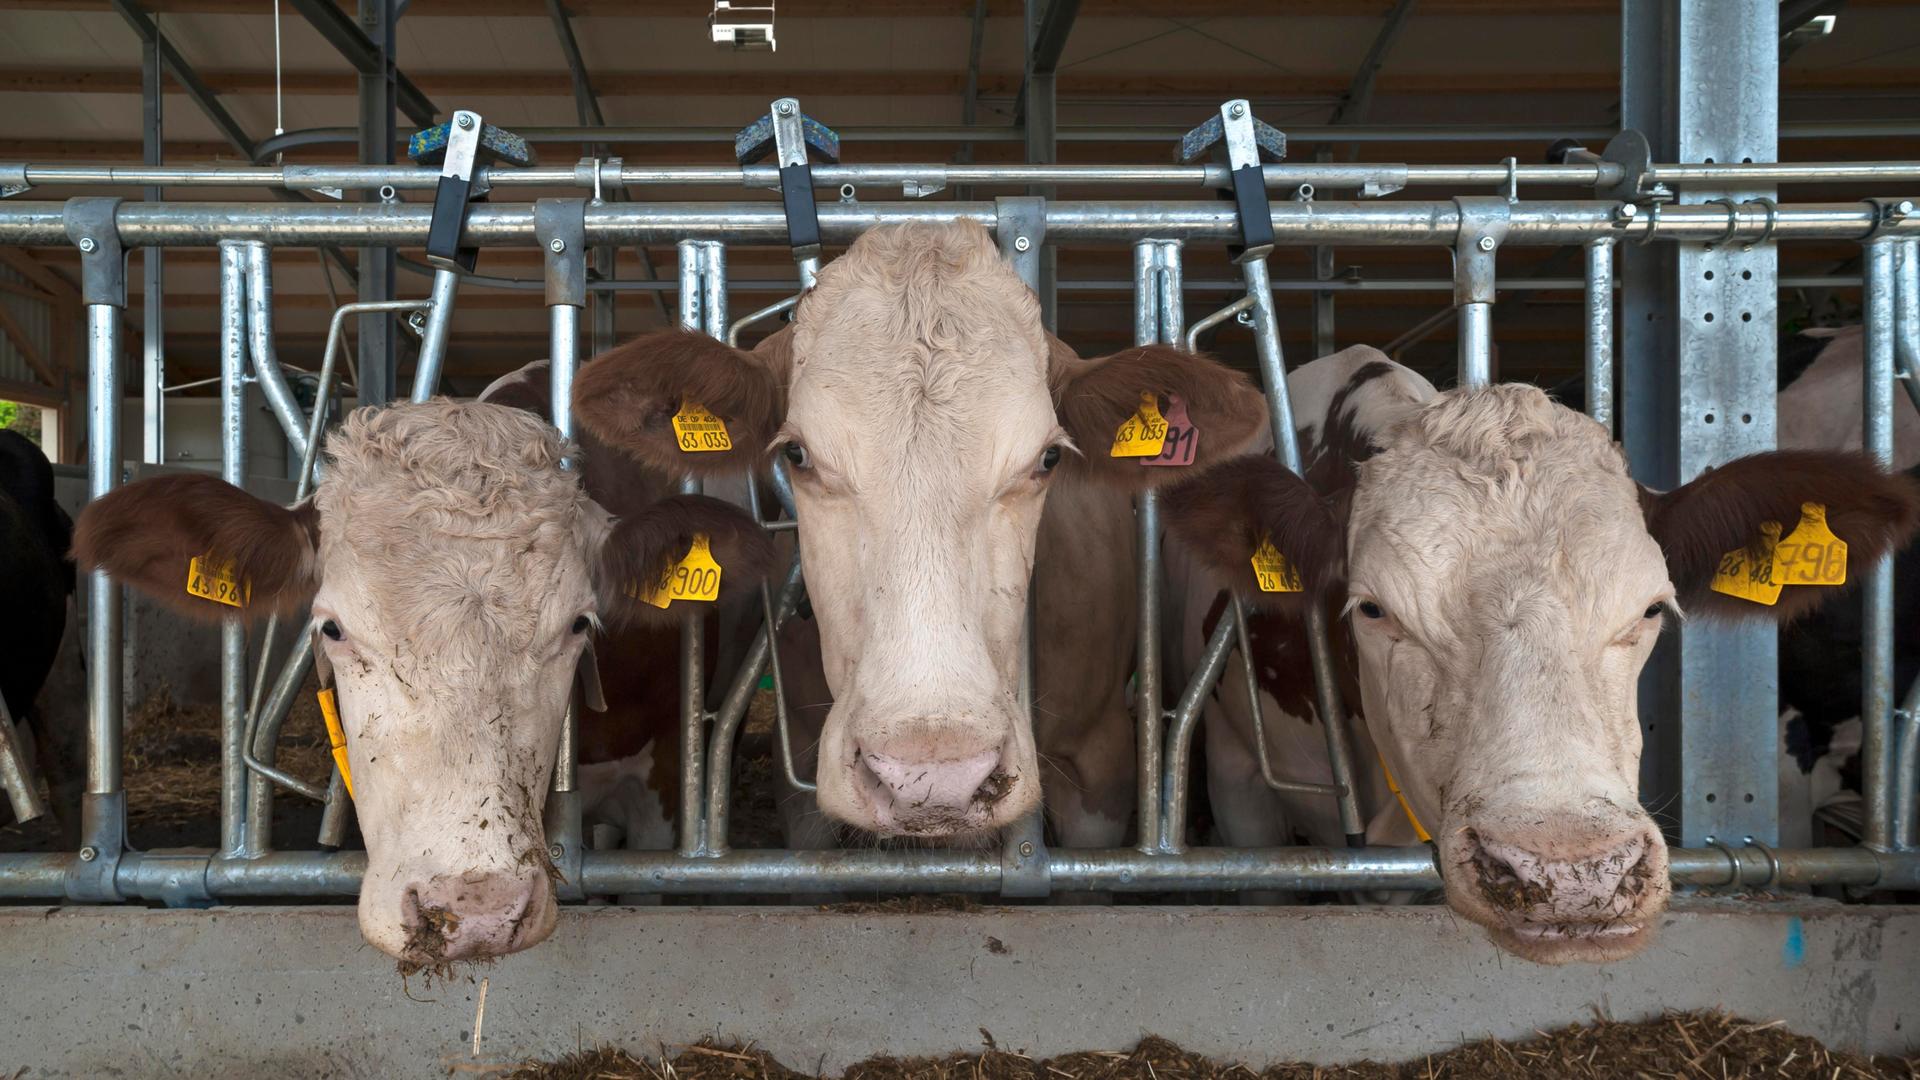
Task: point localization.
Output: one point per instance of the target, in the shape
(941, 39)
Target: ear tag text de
(699, 431)
(1272, 570)
(1143, 434)
(1183, 439)
(216, 582)
(696, 577)
(1750, 575)
(1811, 554)
(336, 736)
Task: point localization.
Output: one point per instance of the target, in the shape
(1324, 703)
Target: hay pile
(1696, 1046)
(173, 759)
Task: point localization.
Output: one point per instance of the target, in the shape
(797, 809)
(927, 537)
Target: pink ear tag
(1183, 439)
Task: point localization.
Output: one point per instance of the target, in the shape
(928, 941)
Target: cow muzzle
(456, 917)
(1561, 895)
(947, 784)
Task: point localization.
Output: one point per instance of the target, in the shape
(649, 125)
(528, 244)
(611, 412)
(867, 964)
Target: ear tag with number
(336, 736)
(696, 577)
(1811, 554)
(1749, 575)
(699, 431)
(1144, 433)
(1272, 570)
(1183, 439)
(216, 582)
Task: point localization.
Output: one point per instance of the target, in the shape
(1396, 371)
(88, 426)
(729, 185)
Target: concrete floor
(293, 992)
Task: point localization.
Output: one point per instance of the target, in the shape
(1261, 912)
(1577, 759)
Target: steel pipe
(1906, 769)
(733, 709)
(233, 469)
(1147, 278)
(1599, 331)
(266, 359)
(433, 340)
(103, 598)
(1876, 589)
(1906, 320)
(1392, 223)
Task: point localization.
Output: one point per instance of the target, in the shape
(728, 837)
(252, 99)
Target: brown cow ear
(644, 547)
(627, 398)
(1226, 513)
(1722, 510)
(147, 534)
(1095, 397)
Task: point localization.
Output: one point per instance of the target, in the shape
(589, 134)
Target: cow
(1500, 581)
(451, 565)
(944, 451)
(38, 635)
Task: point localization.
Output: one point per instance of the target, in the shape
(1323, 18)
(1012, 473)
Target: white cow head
(924, 414)
(455, 570)
(1506, 580)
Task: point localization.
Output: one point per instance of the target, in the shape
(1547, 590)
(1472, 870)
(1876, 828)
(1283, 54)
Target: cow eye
(1652, 612)
(332, 630)
(1371, 610)
(796, 455)
(581, 624)
(1049, 458)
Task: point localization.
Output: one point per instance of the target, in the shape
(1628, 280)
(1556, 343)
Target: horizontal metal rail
(1398, 223)
(200, 875)
(600, 174)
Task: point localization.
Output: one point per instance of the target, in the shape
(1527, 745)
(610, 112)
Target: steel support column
(377, 134)
(1698, 335)
(153, 365)
(1047, 24)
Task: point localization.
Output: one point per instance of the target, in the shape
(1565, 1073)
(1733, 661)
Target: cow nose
(1603, 882)
(476, 917)
(915, 788)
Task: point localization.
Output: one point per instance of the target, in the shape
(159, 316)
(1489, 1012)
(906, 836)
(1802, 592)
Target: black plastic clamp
(1245, 141)
(459, 147)
(789, 133)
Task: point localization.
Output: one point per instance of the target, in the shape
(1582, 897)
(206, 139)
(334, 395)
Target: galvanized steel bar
(1876, 589)
(1147, 706)
(1475, 332)
(1906, 769)
(233, 469)
(1599, 331)
(103, 597)
(1286, 444)
(702, 272)
(1175, 785)
(433, 340)
(266, 358)
(733, 709)
(1906, 320)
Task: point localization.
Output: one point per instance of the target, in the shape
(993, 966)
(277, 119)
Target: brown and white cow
(944, 452)
(1504, 580)
(453, 567)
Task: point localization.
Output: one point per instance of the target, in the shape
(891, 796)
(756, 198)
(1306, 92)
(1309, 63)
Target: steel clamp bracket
(1245, 140)
(103, 262)
(103, 837)
(459, 147)
(13, 180)
(1634, 155)
(561, 225)
(1483, 225)
(789, 133)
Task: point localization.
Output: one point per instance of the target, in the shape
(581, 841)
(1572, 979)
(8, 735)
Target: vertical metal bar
(1476, 344)
(1323, 301)
(153, 418)
(1876, 590)
(377, 266)
(433, 340)
(703, 307)
(563, 350)
(103, 599)
(1333, 712)
(606, 265)
(265, 362)
(691, 256)
(1037, 121)
(1906, 768)
(1599, 327)
(1146, 694)
(233, 469)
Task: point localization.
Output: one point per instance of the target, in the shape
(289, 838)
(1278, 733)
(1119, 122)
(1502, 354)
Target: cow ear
(1095, 397)
(643, 548)
(1722, 511)
(628, 397)
(1228, 513)
(149, 533)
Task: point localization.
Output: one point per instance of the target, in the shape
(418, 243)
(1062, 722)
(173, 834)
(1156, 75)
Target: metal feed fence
(1473, 227)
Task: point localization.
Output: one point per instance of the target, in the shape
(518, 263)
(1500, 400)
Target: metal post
(1038, 116)
(1483, 225)
(1906, 347)
(433, 340)
(233, 469)
(266, 358)
(153, 418)
(1147, 705)
(1286, 443)
(1599, 340)
(1876, 590)
(377, 97)
(1699, 344)
(703, 308)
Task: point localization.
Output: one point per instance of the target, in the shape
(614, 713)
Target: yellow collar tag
(216, 582)
(1811, 554)
(699, 431)
(1406, 807)
(1272, 570)
(1751, 576)
(336, 736)
(1143, 434)
(696, 577)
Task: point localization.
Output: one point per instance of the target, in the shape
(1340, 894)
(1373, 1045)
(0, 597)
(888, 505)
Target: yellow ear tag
(1749, 576)
(1811, 554)
(696, 577)
(1144, 433)
(699, 431)
(214, 582)
(1272, 570)
(336, 736)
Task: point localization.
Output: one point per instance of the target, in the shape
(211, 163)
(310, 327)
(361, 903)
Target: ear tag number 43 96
(216, 582)
(1144, 434)
(699, 431)
(696, 577)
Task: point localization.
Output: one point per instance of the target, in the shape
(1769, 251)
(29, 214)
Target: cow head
(454, 569)
(923, 414)
(1505, 580)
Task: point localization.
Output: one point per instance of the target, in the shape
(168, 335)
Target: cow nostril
(997, 786)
